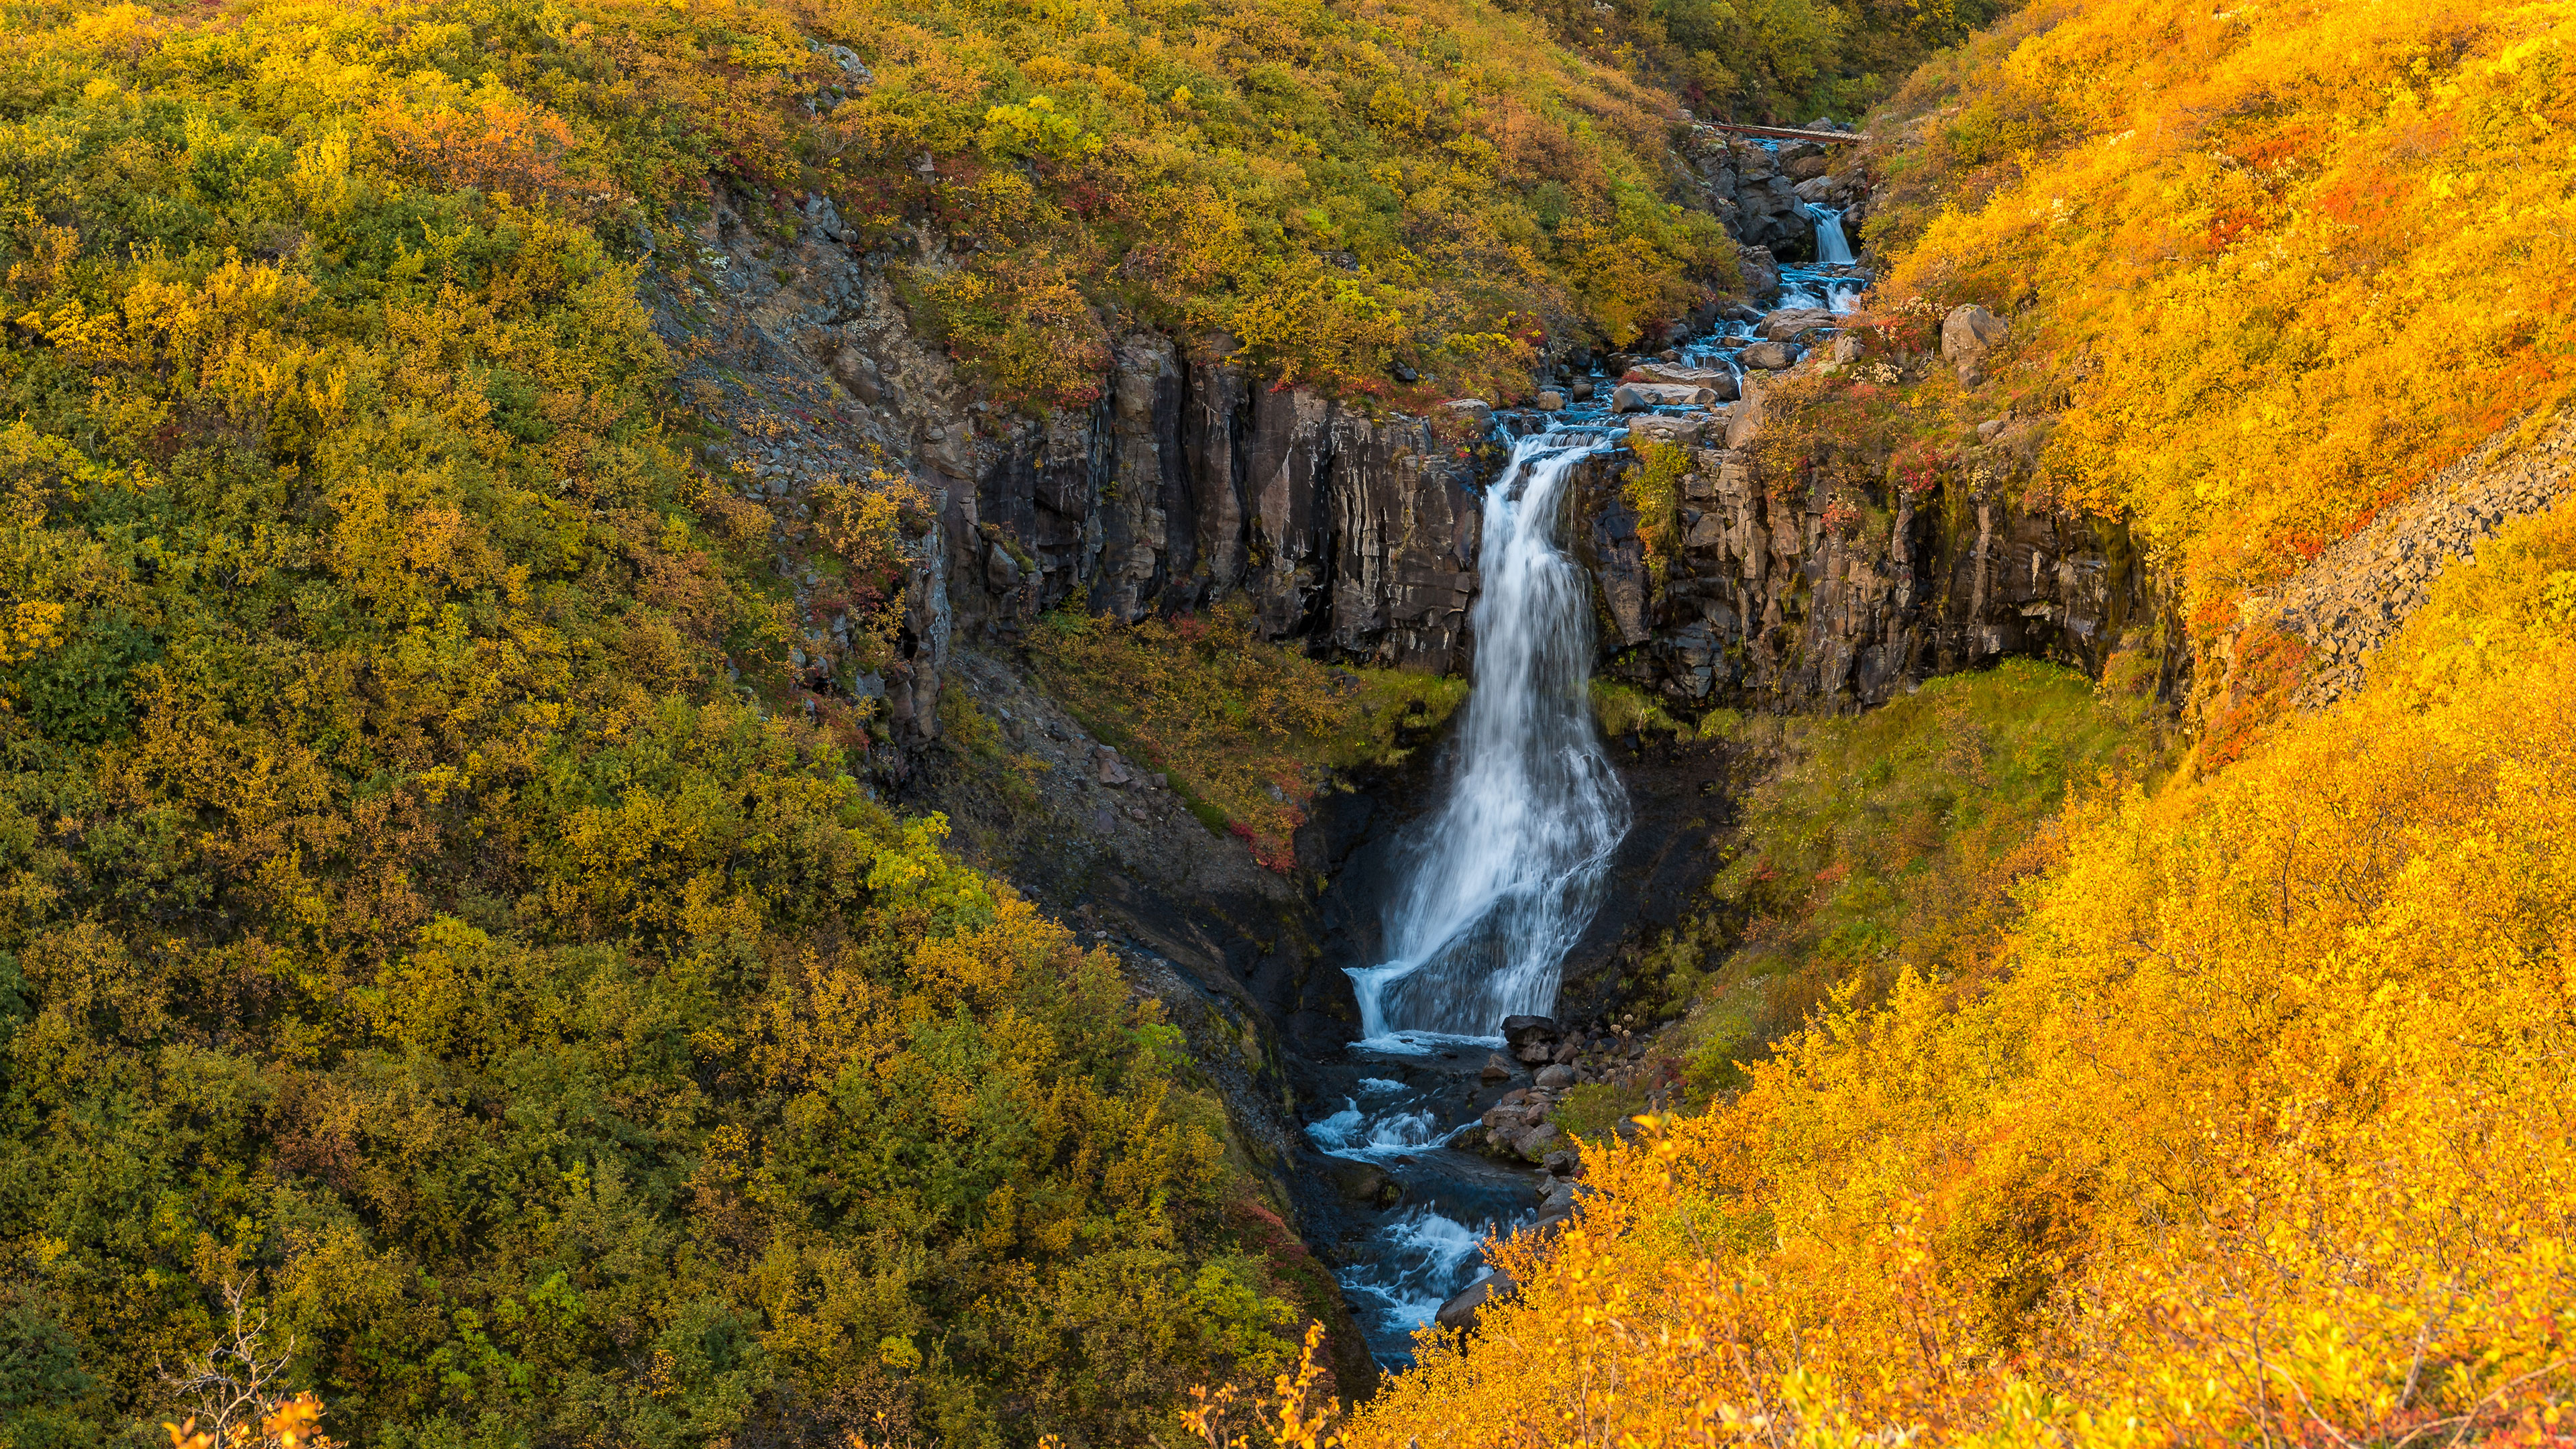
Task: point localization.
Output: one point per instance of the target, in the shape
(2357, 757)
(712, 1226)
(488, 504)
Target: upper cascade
(1833, 249)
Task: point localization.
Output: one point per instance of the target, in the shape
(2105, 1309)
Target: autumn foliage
(2277, 264)
(1339, 192)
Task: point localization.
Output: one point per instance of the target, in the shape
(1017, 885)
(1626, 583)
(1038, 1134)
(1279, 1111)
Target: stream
(1491, 888)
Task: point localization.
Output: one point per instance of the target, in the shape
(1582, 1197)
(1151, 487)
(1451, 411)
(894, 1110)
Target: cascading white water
(1506, 874)
(1833, 249)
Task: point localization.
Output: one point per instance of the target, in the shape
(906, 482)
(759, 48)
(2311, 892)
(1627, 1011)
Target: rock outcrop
(1183, 484)
(1754, 190)
(1186, 485)
(1967, 334)
(1782, 594)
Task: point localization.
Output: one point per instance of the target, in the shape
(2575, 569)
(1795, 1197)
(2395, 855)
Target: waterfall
(1833, 249)
(1506, 874)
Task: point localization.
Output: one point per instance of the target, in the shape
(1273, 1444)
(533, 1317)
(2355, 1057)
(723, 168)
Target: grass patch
(976, 742)
(1245, 730)
(1893, 837)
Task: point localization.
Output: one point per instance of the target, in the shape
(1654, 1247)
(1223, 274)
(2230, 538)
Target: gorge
(903, 722)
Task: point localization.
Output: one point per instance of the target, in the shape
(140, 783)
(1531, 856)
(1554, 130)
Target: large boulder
(1635, 397)
(1966, 336)
(1718, 380)
(1532, 1039)
(1460, 1312)
(1791, 323)
(1364, 1183)
(1770, 356)
(1759, 269)
(1655, 427)
(1476, 410)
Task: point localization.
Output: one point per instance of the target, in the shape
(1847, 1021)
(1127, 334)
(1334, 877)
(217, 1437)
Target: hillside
(2231, 1105)
(435, 930)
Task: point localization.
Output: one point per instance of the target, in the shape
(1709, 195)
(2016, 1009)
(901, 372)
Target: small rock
(1556, 1078)
(1538, 1142)
(851, 66)
(1563, 1164)
(1581, 391)
(1550, 400)
(1522, 1029)
(1769, 356)
(1627, 399)
(1496, 1069)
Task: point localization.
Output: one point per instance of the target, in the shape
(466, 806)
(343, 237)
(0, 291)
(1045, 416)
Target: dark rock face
(1755, 192)
(1185, 485)
(1774, 599)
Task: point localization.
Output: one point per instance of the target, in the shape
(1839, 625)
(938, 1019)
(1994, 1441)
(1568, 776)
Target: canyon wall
(1770, 596)
(1187, 484)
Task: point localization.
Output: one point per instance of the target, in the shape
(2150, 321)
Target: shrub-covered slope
(407, 921)
(1354, 195)
(2246, 1116)
(2274, 266)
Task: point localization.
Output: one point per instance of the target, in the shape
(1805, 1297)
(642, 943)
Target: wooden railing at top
(1789, 133)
